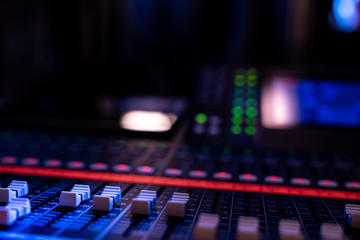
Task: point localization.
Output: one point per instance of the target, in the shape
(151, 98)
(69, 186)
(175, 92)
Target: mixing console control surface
(73, 187)
(148, 212)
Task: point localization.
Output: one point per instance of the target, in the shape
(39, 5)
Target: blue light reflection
(347, 15)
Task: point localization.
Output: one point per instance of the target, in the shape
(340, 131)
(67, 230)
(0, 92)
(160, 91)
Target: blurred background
(59, 58)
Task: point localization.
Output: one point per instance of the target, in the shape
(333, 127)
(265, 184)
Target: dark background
(58, 57)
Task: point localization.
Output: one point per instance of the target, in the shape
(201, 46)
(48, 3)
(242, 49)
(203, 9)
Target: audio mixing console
(77, 186)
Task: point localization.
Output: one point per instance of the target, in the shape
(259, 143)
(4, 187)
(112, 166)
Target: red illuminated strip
(180, 182)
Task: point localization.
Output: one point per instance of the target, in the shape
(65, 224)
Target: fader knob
(107, 199)
(16, 209)
(290, 230)
(73, 198)
(332, 231)
(248, 228)
(206, 227)
(144, 202)
(177, 204)
(14, 190)
(352, 215)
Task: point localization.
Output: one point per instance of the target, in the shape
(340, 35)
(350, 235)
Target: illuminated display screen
(346, 15)
(290, 102)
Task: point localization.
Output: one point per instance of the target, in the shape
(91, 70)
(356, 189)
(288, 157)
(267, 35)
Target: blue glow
(347, 14)
(329, 103)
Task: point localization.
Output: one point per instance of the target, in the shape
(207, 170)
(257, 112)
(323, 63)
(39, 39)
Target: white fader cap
(107, 199)
(16, 209)
(290, 230)
(206, 227)
(177, 204)
(248, 228)
(332, 231)
(352, 215)
(14, 190)
(144, 202)
(73, 198)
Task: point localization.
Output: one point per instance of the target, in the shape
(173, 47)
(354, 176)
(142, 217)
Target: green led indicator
(161, 145)
(251, 103)
(121, 143)
(252, 84)
(337, 158)
(102, 142)
(250, 130)
(240, 71)
(252, 71)
(26, 136)
(314, 156)
(239, 80)
(63, 139)
(239, 93)
(184, 148)
(237, 111)
(236, 129)
(269, 153)
(7, 136)
(206, 149)
(292, 155)
(226, 150)
(236, 120)
(201, 118)
(248, 152)
(45, 138)
(251, 112)
(250, 121)
(238, 102)
(252, 78)
(251, 94)
(82, 140)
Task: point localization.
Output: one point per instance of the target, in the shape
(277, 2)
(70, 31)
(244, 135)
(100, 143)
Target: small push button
(352, 185)
(248, 177)
(31, 161)
(222, 176)
(76, 164)
(274, 179)
(122, 168)
(8, 160)
(299, 181)
(99, 166)
(197, 174)
(54, 163)
(173, 172)
(327, 183)
(146, 170)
